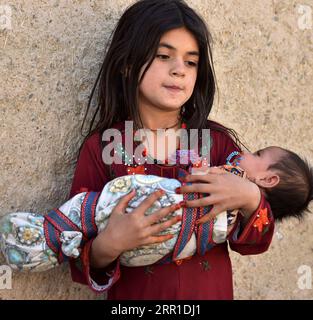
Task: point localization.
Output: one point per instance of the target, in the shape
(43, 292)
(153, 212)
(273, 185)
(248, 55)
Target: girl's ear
(268, 180)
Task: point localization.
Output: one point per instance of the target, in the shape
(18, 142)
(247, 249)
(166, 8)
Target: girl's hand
(126, 231)
(223, 190)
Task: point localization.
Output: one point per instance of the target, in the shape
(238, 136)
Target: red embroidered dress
(201, 277)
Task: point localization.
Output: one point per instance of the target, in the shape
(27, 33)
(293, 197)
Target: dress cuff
(260, 219)
(99, 280)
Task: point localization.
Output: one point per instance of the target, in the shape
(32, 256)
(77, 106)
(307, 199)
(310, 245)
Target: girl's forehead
(179, 37)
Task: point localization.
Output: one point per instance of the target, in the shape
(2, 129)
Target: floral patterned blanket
(24, 240)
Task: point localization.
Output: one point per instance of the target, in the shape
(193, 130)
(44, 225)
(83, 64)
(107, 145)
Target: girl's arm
(254, 230)
(91, 175)
(98, 264)
(125, 232)
(253, 235)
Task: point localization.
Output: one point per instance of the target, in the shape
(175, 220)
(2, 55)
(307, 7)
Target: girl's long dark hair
(134, 43)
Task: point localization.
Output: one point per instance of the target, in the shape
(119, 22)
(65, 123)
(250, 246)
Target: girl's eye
(165, 57)
(162, 56)
(192, 64)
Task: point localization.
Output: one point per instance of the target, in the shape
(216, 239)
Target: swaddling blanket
(30, 241)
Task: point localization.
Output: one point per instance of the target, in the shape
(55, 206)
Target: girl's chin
(171, 108)
(172, 105)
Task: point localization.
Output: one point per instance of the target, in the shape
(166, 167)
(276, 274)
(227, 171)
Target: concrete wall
(49, 58)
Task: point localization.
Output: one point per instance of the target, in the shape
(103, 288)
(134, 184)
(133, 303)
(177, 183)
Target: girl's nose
(178, 73)
(178, 68)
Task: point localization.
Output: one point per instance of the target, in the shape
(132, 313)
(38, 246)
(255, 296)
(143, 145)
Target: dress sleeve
(256, 235)
(98, 280)
(91, 175)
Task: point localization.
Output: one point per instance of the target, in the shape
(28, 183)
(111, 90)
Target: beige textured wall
(48, 62)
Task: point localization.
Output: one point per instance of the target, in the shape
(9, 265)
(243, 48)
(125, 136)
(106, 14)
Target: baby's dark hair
(294, 192)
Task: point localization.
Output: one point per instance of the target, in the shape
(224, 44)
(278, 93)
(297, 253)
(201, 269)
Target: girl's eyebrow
(168, 46)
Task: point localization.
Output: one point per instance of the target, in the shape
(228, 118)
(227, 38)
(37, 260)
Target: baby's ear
(268, 180)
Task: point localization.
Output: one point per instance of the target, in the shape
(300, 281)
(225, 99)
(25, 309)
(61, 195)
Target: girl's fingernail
(198, 222)
(177, 206)
(182, 203)
(178, 190)
(161, 192)
(179, 218)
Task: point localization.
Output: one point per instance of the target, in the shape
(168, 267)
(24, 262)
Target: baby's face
(257, 163)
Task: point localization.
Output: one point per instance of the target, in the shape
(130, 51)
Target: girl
(158, 73)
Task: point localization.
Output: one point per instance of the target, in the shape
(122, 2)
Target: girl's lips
(173, 89)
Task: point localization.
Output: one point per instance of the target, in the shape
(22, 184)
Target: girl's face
(170, 80)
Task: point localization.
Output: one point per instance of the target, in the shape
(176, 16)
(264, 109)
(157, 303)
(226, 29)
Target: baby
(35, 242)
(285, 179)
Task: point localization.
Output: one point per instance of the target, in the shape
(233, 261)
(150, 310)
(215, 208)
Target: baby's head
(285, 179)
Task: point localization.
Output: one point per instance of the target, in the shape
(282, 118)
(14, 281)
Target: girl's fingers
(123, 202)
(216, 210)
(148, 202)
(158, 239)
(196, 187)
(162, 213)
(202, 202)
(204, 219)
(209, 177)
(157, 228)
(216, 170)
